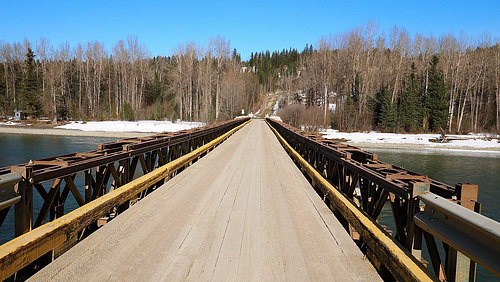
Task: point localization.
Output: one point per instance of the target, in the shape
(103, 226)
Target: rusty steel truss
(370, 183)
(103, 170)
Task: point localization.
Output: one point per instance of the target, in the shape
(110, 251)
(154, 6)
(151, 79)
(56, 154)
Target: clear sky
(250, 26)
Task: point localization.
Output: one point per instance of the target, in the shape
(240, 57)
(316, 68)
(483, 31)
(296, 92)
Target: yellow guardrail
(396, 260)
(23, 250)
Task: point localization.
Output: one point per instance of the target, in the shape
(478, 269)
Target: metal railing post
(458, 266)
(24, 208)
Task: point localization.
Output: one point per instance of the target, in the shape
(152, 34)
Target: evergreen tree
(29, 87)
(386, 110)
(235, 56)
(251, 62)
(154, 90)
(356, 87)
(127, 112)
(306, 49)
(438, 102)
(409, 104)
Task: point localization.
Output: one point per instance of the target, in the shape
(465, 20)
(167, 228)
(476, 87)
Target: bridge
(241, 200)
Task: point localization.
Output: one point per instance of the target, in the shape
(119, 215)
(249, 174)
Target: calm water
(21, 148)
(452, 167)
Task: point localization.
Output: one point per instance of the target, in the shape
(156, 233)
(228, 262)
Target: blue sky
(250, 26)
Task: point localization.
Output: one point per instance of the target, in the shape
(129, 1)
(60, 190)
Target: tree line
(396, 82)
(198, 82)
(361, 79)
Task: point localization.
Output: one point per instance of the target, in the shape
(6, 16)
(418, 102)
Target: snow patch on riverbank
(478, 141)
(132, 126)
(9, 123)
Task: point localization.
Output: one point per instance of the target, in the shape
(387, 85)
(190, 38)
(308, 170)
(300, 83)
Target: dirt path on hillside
(268, 104)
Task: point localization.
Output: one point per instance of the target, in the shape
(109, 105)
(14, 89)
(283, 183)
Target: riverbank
(470, 142)
(421, 147)
(111, 129)
(9, 129)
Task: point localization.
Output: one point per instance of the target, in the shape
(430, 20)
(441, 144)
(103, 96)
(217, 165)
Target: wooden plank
(88, 155)
(381, 165)
(406, 177)
(50, 163)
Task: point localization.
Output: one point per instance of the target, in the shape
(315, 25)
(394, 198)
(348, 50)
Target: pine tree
(386, 110)
(438, 102)
(235, 56)
(409, 104)
(29, 87)
(306, 50)
(154, 90)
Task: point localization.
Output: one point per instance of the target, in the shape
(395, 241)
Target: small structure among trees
(19, 115)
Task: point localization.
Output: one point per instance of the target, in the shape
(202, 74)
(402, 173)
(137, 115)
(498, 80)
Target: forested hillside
(392, 81)
(371, 79)
(198, 82)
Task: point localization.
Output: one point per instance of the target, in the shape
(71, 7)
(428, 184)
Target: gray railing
(472, 234)
(8, 195)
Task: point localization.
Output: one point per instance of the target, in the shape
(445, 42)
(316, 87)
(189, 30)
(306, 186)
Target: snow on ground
(276, 106)
(9, 123)
(14, 123)
(276, 118)
(478, 141)
(132, 126)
